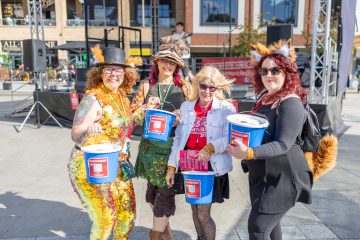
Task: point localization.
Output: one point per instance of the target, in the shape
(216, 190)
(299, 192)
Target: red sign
(193, 188)
(239, 69)
(74, 99)
(98, 167)
(188, 161)
(242, 137)
(235, 103)
(157, 124)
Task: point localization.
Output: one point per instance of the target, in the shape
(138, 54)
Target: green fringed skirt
(152, 159)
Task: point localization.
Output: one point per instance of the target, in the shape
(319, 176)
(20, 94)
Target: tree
(248, 35)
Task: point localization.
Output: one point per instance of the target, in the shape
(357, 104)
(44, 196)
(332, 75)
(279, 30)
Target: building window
(219, 12)
(75, 13)
(14, 12)
(103, 13)
(279, 11)
(166, 13)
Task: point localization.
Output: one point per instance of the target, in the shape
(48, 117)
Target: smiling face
(207, 91)
(272, 76)
(166, 67)
(113, 76)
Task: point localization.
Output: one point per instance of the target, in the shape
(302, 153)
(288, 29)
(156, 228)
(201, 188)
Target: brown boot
(167, 233)
(154, 235)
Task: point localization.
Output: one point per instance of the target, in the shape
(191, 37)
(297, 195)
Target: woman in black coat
(279, 175)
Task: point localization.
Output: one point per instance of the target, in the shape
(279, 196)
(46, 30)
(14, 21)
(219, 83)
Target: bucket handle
(256, 114)
(169, 104)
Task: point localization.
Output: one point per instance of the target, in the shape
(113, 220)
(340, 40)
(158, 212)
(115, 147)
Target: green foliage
(248, 35)
(4, 59)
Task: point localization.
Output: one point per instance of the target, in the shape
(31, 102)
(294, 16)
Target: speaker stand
(36, 104)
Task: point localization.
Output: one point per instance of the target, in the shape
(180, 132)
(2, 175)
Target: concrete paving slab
(292, 233)
(318, 231)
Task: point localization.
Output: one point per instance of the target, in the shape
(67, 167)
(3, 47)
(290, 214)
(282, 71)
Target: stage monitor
(279, 31)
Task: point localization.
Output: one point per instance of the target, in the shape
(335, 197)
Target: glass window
(217, 12)
(75, 13)
(279, 11)
(166, 13)
(14, 13)
(103, 12)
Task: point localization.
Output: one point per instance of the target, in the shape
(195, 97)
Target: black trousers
(263, 226)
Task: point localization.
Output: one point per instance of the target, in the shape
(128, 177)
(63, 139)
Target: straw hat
(170, 51)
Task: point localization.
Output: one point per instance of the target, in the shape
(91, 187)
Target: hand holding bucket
(238, 149)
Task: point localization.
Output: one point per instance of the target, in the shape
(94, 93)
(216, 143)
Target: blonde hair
(216, 77)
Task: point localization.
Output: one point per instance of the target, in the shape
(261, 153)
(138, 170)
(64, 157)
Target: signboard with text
(239, 69)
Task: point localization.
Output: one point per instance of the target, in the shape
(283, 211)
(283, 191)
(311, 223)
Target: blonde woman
(203, 127)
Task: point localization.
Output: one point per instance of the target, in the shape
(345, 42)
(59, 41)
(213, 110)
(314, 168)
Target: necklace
(204, 112)
(260, 104)
(162, 100)
(123, 112)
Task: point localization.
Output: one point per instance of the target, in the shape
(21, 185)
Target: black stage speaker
(277, 32)
(34, 55)
(80, 80)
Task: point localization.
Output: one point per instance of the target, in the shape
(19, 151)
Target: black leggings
(263, 226)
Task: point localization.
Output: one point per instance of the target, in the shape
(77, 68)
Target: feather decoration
(97, 52)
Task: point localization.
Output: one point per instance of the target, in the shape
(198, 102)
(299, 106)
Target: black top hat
(113, 56)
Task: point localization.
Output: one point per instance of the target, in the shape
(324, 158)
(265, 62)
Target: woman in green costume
(165, 90)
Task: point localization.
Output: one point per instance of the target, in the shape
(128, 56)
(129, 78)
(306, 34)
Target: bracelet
(249, 154)
(171, 169)
(209, 148)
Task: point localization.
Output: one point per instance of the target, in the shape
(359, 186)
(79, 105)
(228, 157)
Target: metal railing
(95, 23)
(24, 22)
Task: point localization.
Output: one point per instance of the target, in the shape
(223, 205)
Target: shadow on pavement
(21, 217)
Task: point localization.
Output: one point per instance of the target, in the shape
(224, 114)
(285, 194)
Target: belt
(77, 147)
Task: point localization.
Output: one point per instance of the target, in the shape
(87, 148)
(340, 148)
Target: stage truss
(324, 56)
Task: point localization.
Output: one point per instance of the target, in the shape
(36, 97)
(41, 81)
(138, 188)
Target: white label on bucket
(241, 136)
(193, 188)
(98, 167)
(157, 124)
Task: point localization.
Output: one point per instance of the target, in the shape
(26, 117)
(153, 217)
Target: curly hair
(216, 77)
(154, 76)
(94, 77)
(292, 83)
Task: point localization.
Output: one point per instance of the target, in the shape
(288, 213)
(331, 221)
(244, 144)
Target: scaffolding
(324, 55)
(155, 25)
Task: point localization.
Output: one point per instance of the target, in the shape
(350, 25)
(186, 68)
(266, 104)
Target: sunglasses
(203, 87)
(117, 71)
(165, 61)
(274, 71)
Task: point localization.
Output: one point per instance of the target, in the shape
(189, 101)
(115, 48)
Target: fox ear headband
(281, 47)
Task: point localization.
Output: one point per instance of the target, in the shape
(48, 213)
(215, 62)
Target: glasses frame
(274, 71)
(204, 87)
(118, 71)
(166, 61)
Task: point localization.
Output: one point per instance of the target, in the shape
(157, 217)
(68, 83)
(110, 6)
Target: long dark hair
(292, 83)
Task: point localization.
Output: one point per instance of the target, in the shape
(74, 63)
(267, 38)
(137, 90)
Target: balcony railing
(81, 22)
(25, 22)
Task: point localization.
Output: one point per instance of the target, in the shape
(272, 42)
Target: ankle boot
(154, 235)
(167, 233)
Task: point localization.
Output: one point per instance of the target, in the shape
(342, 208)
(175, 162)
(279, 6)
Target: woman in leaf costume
(104, 117)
